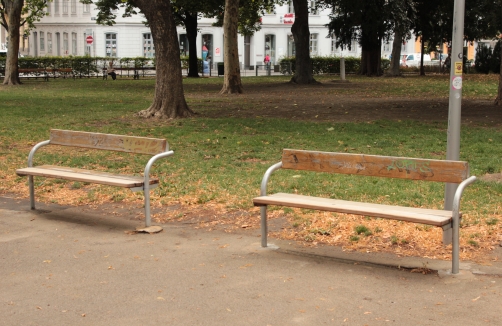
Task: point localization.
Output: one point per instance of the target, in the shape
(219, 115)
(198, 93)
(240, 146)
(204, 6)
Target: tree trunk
(13, 17)
(191, 28)
(422, 48)
(232, 79)
(498, 100)
(395, 61)
(169, 100)
(371, 54)
(301, 35)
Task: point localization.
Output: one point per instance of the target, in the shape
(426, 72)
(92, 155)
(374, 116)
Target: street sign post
(455, 104)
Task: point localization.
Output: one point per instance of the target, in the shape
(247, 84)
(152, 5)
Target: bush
(483, 59)
(327, 65)
(495, 59)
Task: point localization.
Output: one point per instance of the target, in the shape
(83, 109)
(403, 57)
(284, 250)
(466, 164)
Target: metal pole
(342, 68)
(454, 114)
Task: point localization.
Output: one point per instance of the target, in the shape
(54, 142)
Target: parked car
(413, 59)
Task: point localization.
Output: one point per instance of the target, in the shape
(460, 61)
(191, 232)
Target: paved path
(68, 267)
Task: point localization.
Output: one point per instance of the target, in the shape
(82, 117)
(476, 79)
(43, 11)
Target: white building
(70, 29)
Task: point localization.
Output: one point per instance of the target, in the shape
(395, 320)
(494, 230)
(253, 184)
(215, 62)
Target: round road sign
(89, 39)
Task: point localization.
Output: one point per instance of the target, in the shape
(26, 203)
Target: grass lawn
(222, 153)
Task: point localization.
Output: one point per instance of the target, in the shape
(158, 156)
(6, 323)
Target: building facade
(70, 29)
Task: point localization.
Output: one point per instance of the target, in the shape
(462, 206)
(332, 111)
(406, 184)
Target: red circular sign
(89, 39)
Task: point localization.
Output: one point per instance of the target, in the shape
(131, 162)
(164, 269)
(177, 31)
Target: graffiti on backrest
(411, 166)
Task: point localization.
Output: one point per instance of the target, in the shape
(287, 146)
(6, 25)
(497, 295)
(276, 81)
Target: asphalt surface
(64, 266)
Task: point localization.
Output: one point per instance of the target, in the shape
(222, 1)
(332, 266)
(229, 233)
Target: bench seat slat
(82, 175)
(410, 214)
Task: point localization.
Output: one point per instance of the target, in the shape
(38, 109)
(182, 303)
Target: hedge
(327, 65)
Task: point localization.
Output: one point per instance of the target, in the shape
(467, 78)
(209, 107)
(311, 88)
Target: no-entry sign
(89, 39)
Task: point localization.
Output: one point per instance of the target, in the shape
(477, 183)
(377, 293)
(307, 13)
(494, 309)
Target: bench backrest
(129, 144)
(375, 165)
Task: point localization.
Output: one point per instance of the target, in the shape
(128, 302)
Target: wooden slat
(378, 166)
(408, 214)
(73, 174)
(129, 144)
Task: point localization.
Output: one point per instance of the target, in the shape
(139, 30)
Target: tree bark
(191, 29)
(371, 53)
(422, 48)
(13, 16)
(232, 79)
(395, 61)
(301, 35)
(169, 100)
(498, 100)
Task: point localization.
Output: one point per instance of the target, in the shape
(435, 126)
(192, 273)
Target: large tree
(483, 20)
(232, 78)
(301, 35)
(401, 15)
(187, 13)
(169, 100)
(433, 25)
(13, 15)
(366, 21)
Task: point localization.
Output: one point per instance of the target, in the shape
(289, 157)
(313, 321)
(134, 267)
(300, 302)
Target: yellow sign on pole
(458, 68)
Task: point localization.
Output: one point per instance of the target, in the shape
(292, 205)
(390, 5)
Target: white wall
(130, 33)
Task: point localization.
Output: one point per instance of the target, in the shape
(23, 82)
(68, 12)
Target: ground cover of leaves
(480, 242)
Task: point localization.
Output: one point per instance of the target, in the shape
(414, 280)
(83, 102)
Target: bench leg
(148, 220)
(264, 226)
(32, 191)
(455, 256)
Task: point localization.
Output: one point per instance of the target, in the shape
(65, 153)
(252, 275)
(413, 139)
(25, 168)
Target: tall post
(342, 68)
(454, 113)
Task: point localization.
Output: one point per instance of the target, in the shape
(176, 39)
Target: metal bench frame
(61, 137)
(372, 165)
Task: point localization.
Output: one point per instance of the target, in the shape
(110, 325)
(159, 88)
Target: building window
(148, 47)
(87, 47)
(65, 7)
(334, 48)
(111, 44)
(207, 46)
(74, 43)
(291, 7)
(270, 47)
(56, 7)
(73, 7)
(183, 45)
(313, 44)
(49, 43)
(42, 41)
(65, 43)
(353, 46)
(271, 11)
(386, 46)
(291, 46)
(312, 8)
(87, 8)
(48, 8)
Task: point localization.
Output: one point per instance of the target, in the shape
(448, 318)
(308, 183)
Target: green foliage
(327, 65)
(495, 60)
(361, 229)
(483, 59)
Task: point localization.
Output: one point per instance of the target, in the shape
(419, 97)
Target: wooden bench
(64, 72)
(455, 172)
(34, 73)
(159, 148)
(135, 70)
